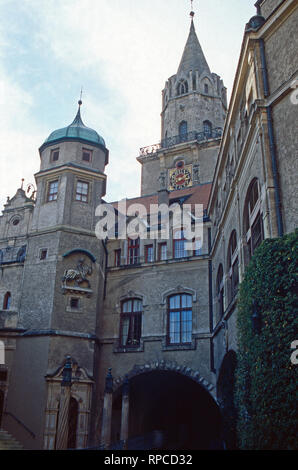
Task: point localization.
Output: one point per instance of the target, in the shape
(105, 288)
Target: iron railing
(215, 133)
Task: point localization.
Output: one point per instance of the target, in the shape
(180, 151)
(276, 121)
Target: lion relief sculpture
(78, 275)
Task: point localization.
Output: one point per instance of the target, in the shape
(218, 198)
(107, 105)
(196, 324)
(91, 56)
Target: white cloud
(125, 50)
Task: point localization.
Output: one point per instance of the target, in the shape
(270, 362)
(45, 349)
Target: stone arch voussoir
(162, 365)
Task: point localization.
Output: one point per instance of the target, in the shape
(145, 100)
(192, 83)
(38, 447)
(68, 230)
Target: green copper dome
(75, 131)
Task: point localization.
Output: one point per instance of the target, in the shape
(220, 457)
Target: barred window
(180, 319)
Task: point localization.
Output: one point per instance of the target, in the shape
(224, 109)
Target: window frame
(160, 247)
(134, 331)
(43, 251)
(147, 248)
(207, 128)
(133, 245)
(233, 264)
(220, 292)
(52, 154)
(81, 194)
(7, 301)
(52, 196)
(89, 152)
(175, 241)
(253, 217)
(181, 322)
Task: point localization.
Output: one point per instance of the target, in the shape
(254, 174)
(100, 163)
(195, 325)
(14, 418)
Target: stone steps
(8, 442)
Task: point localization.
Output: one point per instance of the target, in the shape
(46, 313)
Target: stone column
(107, 412)
(62, 428)
(125, 412)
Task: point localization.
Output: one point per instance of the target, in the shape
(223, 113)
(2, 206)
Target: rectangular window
(149, 254)
(197, 247)
(43, 254)
(53, 191)
(131, 323)
(179, 245)
(86, 155)
(117, 260)
(180, 319)
(54, 155)
(82, 191)
(162, 251)
(133, 251)
(74, 303)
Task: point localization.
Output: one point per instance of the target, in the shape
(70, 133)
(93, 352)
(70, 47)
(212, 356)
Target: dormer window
(54, 155)
(87, 155)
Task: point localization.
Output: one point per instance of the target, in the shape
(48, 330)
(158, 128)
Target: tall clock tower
(194, 105)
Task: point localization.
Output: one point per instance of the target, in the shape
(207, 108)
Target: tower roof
(193, 57)
(75, 131)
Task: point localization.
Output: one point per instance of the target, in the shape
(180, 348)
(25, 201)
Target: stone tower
(61, 285)
(194, 104)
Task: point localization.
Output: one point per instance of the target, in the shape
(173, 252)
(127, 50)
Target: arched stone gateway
(167, 366)
(166, 401)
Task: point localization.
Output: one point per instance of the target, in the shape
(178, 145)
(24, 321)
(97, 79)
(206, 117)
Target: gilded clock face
(180, 177)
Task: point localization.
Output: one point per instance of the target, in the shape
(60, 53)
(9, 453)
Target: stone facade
(161, 315)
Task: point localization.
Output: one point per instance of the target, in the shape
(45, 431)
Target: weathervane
(80, 100)
(192, 13)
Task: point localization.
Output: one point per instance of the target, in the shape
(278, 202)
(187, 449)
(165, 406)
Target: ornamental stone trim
(166, 366)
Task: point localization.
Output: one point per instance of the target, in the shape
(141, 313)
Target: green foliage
(265, 377)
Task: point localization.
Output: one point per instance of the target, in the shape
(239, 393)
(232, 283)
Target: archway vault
(162, 365)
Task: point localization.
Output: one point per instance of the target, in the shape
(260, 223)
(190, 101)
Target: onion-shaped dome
(75, 131)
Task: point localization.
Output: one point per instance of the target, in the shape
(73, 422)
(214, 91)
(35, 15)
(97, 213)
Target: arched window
(131, 323)
(180, 319)
(7, 301)
(220, 292)
(253, 221)
(182, 87)
(183, 131)
(233, 265)
(207, 127)
(194, 83)
(206, 89)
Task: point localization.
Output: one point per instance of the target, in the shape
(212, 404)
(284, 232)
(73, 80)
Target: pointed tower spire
(193, 57)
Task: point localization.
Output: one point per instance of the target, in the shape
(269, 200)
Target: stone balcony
(193, 136)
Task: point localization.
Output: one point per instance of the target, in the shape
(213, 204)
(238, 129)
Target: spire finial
(80, 100)
(192, 13)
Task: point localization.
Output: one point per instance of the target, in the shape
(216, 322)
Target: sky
(121, 53)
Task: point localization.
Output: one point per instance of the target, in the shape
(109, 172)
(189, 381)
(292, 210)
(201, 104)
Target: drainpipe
(271, 141)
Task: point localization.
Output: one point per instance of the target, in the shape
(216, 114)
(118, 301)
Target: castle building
(132, 340)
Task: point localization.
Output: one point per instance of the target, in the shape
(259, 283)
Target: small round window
(16, 221)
